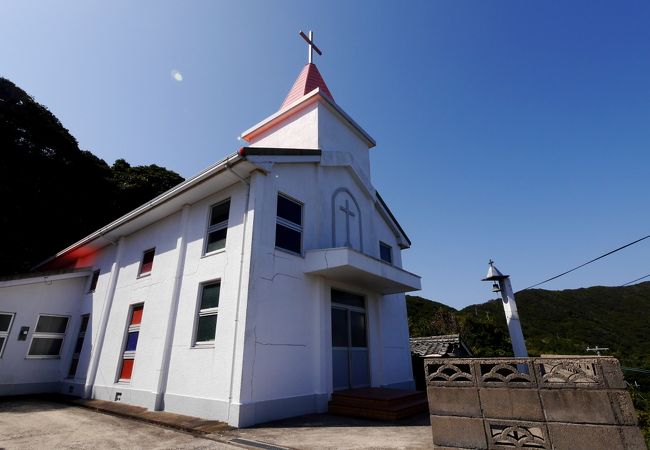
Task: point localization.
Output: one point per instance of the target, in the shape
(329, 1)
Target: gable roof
(288, 111)
(214, 178)
(442, 345)
(390, 213)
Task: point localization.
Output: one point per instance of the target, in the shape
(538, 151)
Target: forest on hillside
(53, 193)
(558, 322)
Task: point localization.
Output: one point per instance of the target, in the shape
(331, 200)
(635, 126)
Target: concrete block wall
(537, 403)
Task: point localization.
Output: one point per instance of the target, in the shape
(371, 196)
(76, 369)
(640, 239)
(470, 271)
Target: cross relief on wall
(346, 221)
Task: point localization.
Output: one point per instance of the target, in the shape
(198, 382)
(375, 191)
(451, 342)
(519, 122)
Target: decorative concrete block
(455, 432)
(623, 407)
(449, 372)
(454, 401)
(585, 437)
(518, 404)
(577, 406)
(612, 373)
(508, 434)
(563, 373)
(506, 373)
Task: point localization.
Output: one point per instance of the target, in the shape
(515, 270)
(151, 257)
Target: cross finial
(311, 45)
(490, 262)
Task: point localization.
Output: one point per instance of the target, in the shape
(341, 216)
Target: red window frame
(128, 356)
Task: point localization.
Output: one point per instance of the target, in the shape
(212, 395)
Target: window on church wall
(93, 281)
(72, 371)
(217, 227)
(146, 265)
(6, 320)
(48, 336)
(386, 252)
(208, 310)
(131, 343)
(288, 227)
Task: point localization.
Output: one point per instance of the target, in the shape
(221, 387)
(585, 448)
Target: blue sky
(518, 131)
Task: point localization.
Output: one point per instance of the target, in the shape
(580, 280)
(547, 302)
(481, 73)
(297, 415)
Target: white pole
(512, 318)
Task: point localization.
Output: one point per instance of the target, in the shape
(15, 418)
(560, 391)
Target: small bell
(495, 287)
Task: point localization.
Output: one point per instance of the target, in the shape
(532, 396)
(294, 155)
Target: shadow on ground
(330, 420)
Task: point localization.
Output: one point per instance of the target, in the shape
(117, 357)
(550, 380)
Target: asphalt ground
(40, 423)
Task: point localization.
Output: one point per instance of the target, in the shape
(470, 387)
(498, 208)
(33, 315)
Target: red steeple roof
(308, 80)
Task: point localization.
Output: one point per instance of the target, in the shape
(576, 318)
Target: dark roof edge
(49, 273)
(266, 151)
(390, 213)
(215, 169)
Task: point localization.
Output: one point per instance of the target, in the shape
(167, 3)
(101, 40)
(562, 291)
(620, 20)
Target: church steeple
(309, 118)
(308, 80)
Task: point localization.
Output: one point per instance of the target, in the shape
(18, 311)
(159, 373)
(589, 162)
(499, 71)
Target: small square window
(147, 262)
(6, 319)
(48, 336)
(288, 227)
(206, 326)
(217, 227)
(386, 252)
(93, 281)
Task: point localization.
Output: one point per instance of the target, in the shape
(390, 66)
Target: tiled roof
(445, 345)
(308, 80)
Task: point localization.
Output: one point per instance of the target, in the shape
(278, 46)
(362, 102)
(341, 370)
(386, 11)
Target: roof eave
(298, 105)
(185, 186)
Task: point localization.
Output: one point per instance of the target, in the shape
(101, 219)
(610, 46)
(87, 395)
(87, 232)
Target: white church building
(247, 293)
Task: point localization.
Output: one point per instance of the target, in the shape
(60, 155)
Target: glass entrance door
(349, 341)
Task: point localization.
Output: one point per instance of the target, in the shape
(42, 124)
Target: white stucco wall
(288, 329)
(20, 374)
(300, 131)
(201, 374)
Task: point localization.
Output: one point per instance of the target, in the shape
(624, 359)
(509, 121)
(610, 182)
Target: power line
(588, 262)
(634, 281)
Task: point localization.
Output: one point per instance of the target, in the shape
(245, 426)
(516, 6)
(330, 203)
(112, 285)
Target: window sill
(202, 346)
(214, 252)
(42, 357)
(144, 275)
(300, 255)
(122, 382)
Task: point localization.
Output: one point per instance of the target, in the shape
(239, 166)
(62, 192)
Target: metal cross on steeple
(310, 43)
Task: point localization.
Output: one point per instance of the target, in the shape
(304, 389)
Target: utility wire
(588, 262)
(634, 281)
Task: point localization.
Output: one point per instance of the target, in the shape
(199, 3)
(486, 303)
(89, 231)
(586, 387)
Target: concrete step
(378, 403)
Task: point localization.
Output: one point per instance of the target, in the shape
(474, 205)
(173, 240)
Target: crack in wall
(279, 274)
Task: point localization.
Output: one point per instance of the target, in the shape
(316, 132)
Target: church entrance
(350, 364)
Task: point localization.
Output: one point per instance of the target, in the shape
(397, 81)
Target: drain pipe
(239, 287)
(106, 312)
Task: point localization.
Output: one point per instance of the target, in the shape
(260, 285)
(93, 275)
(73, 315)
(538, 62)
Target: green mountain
(53, 193)
(557, 322)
